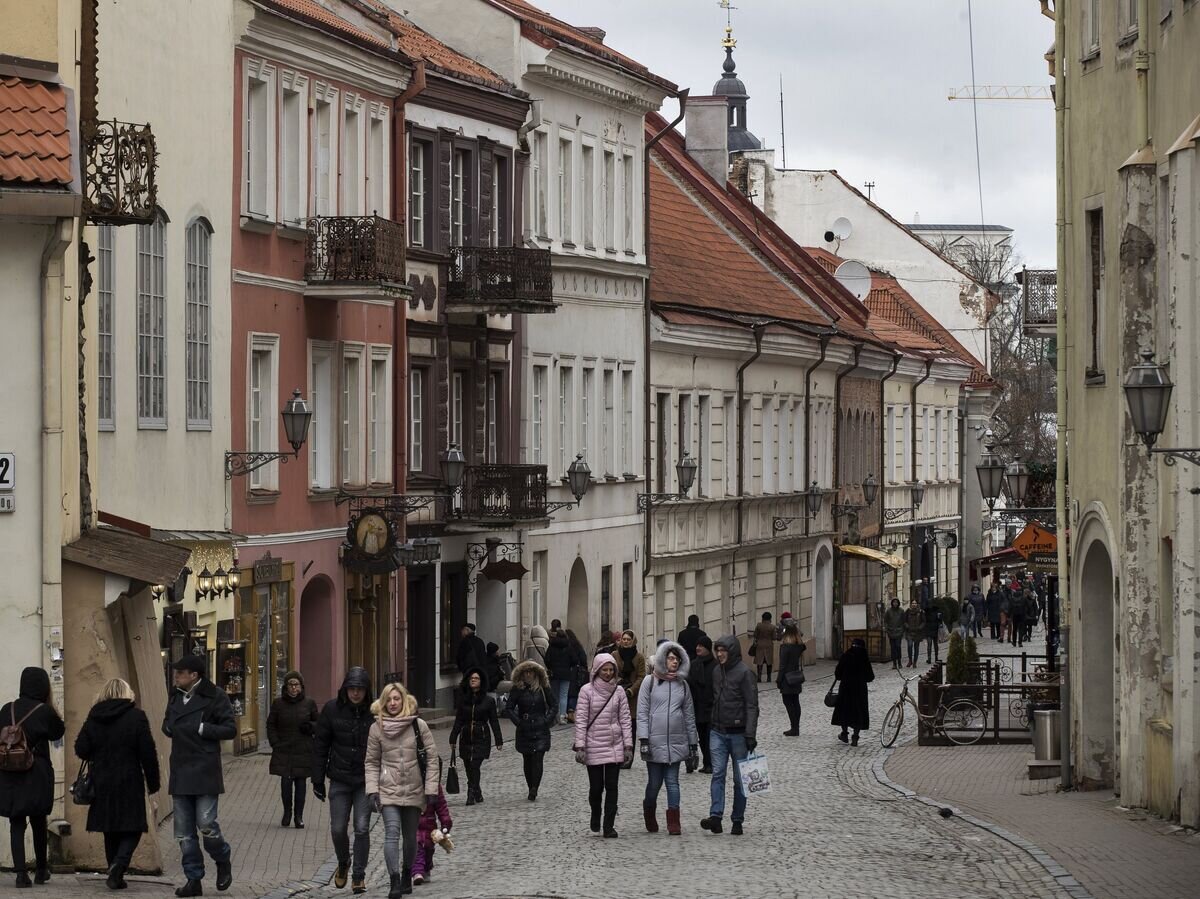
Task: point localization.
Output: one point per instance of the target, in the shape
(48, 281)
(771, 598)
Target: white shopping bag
(756, 779)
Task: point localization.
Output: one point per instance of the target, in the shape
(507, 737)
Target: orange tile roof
(35, 136)
(315, 12)
(416, 43)
(543, 28)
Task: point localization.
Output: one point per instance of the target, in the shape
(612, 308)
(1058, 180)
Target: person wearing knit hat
(689, 635)
(700, 680)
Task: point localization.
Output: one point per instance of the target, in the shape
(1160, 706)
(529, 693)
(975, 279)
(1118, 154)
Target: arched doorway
(1097, 753)
(316, 645)
(822, 611)
(577, 604)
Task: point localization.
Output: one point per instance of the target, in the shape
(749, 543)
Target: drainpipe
(758, 329)
(913, 450)
(883, 439)
(808, 421)
(1141, 65)
(837, 408)
(646, 375)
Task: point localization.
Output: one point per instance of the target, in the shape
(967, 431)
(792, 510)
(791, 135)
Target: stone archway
(316, 647)
(1097, 753)
(577, 604)
(822, 602)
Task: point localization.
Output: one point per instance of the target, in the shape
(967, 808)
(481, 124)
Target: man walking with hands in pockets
(734, 728)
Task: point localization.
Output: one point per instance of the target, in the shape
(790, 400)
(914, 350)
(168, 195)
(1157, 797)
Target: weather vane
(730, 41)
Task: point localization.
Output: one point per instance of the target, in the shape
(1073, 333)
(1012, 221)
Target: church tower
(734, 91)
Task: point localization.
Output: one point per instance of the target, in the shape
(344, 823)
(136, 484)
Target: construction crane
(1001, 92)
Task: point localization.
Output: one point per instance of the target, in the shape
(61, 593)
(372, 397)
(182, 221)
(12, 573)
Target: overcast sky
(865, 84)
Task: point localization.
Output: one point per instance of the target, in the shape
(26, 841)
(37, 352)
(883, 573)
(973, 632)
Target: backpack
(15, 752)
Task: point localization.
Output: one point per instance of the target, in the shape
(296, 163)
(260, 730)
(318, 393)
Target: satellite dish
(842, 228)
(855, 277)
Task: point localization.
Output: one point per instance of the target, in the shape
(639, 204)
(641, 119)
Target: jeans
(400, 821)
(703, 729)
(602, 781)
(119, 846)
(726, 748)
(344, 798)
(914, 649)
(16, 835)
(531, 763)
(895, 644)
(791, 702)
(659, 772)
(561, 688)
(1018, 632)
(194, 813)
(293, 791)
(978, 626)
(932, 648)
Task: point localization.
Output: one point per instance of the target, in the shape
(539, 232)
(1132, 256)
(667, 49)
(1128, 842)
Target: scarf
(627, 655)
(602, 687)
(393, 727)
(667, 675)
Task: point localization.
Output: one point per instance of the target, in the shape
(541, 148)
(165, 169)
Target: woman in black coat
(854, 672)
(475, 722)
(791, 653)
(580, 670)
(531, 708)
(27, 797)
(116, 743)
(290, 727)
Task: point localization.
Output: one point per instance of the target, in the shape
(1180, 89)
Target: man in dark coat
(116, 743)
(290, 727)
(853, 673)
(27, 797)
(472, 651)
(559, 668)
(198, 718)
(734, 729)
(993, 610)
(979, 604)
(690, 635)
(700, 680)
(340, 751)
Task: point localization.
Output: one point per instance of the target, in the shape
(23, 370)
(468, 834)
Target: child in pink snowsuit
(436, 815)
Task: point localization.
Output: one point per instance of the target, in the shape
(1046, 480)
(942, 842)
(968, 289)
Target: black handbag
(832, 696)
(452, 776)
(83, 791)
(794, 678)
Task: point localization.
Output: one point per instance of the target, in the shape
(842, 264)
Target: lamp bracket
(560, 506)
(780, 524)
(1190, 455)
(242, 463)
(1018, 515)
(897, 514)
(396, 505)
(646, 501)
(479, 554)
(840, 509)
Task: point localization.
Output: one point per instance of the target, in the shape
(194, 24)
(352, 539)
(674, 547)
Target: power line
(975, 115)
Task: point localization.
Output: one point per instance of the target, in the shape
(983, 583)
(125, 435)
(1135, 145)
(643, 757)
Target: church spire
(732, 88)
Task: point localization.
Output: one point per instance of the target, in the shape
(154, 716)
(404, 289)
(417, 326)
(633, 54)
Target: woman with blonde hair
(115, 741)
(402, 778)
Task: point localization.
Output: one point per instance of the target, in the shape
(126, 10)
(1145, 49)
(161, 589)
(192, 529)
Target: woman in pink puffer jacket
(603, 738)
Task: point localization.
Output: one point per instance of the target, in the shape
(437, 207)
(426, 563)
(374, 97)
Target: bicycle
(962, 721)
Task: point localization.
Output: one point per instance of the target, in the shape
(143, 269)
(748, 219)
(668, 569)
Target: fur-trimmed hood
(529, 675)
(658, 662)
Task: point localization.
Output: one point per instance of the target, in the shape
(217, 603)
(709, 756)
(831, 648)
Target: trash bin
(1047, 734)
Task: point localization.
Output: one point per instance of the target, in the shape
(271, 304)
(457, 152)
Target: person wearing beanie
(689, 635)
(290, 727)
(472, 652)
(700, 680)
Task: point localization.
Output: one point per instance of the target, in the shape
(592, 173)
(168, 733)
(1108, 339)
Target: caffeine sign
(1035, 539)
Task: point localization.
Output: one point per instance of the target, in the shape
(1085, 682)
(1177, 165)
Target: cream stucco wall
(31, 29)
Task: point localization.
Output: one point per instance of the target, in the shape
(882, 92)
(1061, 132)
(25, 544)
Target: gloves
(693, 753)
(430, 799)
(644, 749)
(628, 755)
(319, 790)
(751, 744)
(581, 756)
(306, 728)
(376, 805)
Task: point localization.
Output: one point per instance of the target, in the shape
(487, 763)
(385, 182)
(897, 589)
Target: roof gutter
(883, 437)
(913, 435)
(758, 328)
(808, 420)
(837, 409)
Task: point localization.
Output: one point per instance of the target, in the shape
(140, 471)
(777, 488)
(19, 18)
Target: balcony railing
(500, 280)
(120, 161)
(1039, 301)
(354, 250)
(504, 493)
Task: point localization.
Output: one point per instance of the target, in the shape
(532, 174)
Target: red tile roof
(544, 29)
(35, 136)
(315, 12)
(416, 43)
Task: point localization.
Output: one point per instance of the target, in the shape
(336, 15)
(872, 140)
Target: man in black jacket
(198, 718)
(734, 730)
(472, 651)
(340, 751)
(690, 635)
(700, 680)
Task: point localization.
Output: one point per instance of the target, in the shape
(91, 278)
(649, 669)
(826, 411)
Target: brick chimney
(706, 121)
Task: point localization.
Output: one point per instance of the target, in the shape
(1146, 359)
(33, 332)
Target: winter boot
(595, 822)
(224, 875)
(736, 830)
(286, 820)
(116, 877)
(673, 826)
(406, 882)
(41, 875)
(191, 888)
(650, 813)
(339, 876)
(610, 820)
(23, 880)
(711, 823)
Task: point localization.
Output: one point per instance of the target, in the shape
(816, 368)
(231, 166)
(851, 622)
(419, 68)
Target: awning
(891, 560)
(128, 555)
(197, 536)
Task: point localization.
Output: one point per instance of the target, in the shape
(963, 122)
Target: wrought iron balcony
(503, 493)
(120, 161)
(345, 253)
(1039, 301)
(500, 280)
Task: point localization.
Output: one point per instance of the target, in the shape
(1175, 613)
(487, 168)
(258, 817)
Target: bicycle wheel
(892, 722)
(964, 722)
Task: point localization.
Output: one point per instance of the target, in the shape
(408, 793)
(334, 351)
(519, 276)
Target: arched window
(151, 323)
(198, 303)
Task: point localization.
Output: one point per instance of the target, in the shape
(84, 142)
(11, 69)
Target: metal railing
(119, 168)
(517, 277)
(355, 249)
(1039, 296)
(503, 493)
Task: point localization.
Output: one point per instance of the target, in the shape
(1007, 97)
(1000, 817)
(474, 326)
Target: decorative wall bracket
(1019, 515)
(1191, 455)
(780, 524)
(495, 560)
(396, 505)
(898, 514)
(242, 463)
(647, 501)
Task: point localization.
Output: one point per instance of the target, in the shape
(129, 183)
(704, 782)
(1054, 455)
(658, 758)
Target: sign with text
(8, 471)
(1035, 540)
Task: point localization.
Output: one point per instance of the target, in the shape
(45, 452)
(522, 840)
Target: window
(728, 454)
(351, 418)
(566, 187)
(495, 384)
(588, 195)
(198, 323)
(1095, 292)
(261, 408)
(564, 417)
(786, 447)
(321, 429)
(627, 422)
(906, 449)
(459, 185)
(1127, 12)
(703, 473)
(1164, 9)
(377, 164)
(352, 154)
(938, 471)
(610, 193)
(457, 391)
(104, 328)
(258, 177)
(662, 408)
(892, 458)
(536, 578)
(151, 323)
(630, 188)
(770, 444)
(537, 165)
(378, 406)
(926, 437)
(416, 420)
(293, 149)
(606, 425)
(626, 594)
(1091, 27)
(683, 435)
(538, 438)
(606, 593)
(325, 188)
(585, 414)
(747, 448)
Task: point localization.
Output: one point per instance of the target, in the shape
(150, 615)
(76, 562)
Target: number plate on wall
(8, 471)
(8, 502)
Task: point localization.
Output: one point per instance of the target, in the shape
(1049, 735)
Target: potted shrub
(974, 671)
(956, 660)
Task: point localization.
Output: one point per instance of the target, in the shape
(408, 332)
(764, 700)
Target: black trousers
(16, 835)
(294, 791)
(602, 781)
(995, 629)
(532, 765)
(1018, 632)
(895, 644)
(119, 846)
(473, 772)
(791, 702)
(703, 729)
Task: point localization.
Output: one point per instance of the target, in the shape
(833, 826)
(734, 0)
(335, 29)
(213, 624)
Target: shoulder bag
(83, 790)
(452, 774)
(794, 678)
(422, 753)
(831, 697)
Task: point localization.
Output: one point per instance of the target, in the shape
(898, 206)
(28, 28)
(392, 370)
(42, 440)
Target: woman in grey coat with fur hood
(666, 729)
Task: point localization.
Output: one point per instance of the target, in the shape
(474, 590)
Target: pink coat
(611, 731)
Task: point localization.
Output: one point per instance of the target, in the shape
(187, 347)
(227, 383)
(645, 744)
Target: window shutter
(483, 230)
(520, 176)
(442, 416)
(445, 160)
(479, 375)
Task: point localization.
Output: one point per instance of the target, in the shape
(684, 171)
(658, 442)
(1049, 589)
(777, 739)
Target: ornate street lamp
(1016, 478)
(579, 477)
(686, 472)
(453, 465)
(991, 476)
(296, 418)
(1148, 395)
(870, 489)
(204, 583)
(234, 577)
(220, 581)
(918, 493)
(813, 497)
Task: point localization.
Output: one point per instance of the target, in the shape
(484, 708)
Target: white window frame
(326, 97)
(351, 415)
(1091, 28)
(587, 191)
(890, 428)
(458, 399)
(265, 437)
(151, 312)
(416, 419)
(629, 188)
(537, 437)
(537, 183)
(379, 415)
(938, 470)
(105, 309)
(293, 148)
(566, 397)
(323, 428)
(704, 456)
(786, 447)
(198, 323)
(378, 168)
(353, 156)
(417, 163)
(259, 146)
(608, 183)
(627, 421)
(729, 447)
(799, 428)
(460, 185)
(587, 387)
(907, 447)
(566, 186)
(495, 384)
(607, 421)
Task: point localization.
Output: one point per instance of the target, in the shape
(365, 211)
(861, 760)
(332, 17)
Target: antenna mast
(782, 127)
